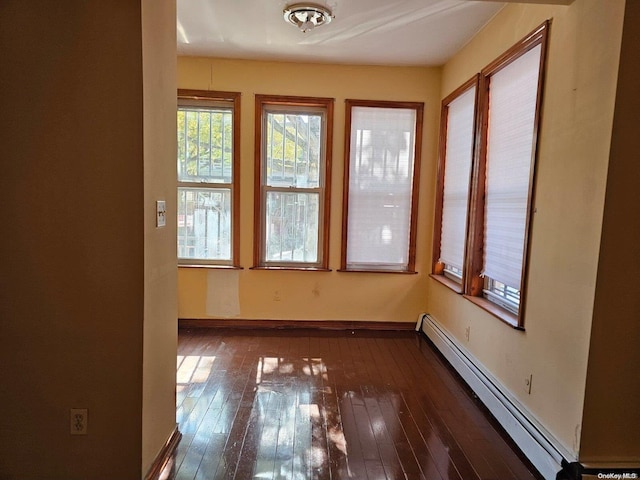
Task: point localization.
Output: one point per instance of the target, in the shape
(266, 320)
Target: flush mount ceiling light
(307, 16)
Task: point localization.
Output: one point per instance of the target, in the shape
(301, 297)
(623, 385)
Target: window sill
(361, 270)
(210, 266)
(495, 310)
(447, 282)
(292, 268)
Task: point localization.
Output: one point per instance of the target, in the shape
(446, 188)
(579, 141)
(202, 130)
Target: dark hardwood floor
(303, 404)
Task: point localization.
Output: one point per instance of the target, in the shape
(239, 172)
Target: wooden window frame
(232, 98)
(437, 268)
(415, 182)
(474, 282)
(319, 103)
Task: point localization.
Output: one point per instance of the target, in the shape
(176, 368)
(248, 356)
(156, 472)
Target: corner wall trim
(293, 324)
(539, 446)
(164, 456)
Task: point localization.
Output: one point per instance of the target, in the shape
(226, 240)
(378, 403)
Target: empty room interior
(418, 213)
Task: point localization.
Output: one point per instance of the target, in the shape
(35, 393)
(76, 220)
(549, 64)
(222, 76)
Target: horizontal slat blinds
(381, 167)
(458, 160)
(512, 110)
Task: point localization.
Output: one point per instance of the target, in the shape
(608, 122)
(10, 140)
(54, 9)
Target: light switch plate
(161, 213)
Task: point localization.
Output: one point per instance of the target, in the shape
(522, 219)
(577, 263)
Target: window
(293, 164)
(500, 194)
(511, 109)
(455, 162)
(382, 162)
(208, 193)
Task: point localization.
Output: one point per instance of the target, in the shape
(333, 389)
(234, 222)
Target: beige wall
(72, 241)
(611, 412)
(77, 292)
(160, 302)
(312, 295)
(570, 191)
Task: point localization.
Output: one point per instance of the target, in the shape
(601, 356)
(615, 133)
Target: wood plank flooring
(313, 404)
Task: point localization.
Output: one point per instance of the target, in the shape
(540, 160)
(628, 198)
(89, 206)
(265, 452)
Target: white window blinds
(381, 167)
(512, 110)
(457, 172)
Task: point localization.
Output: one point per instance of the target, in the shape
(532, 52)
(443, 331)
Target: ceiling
(372, 32)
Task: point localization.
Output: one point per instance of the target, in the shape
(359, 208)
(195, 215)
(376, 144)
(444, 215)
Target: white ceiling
(374, 32)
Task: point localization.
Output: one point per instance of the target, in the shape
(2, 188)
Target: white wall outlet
(161, 213)
(527, 383)
(78, 419)
(467, 333)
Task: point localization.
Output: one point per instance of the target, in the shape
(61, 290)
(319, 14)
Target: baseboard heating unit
(542, 450)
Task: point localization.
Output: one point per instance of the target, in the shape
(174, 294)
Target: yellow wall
(313, 295)
(611, 412)
(573, 155)
(160, 266)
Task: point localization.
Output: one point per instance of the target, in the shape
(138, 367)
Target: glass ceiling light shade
(307, 16)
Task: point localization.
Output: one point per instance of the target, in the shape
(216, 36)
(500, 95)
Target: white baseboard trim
(542, 450)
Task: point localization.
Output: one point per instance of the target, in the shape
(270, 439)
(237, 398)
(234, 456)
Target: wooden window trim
(447, 282)
(234, 98)
(497, 311)
(289, 268)
(395, 272)
(437, 268)
(262, 101)
(415, 182)
(475, 282)
(210, 267)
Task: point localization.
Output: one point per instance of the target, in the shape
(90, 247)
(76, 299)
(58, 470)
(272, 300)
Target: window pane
(380, 187)
(458, 159)
(292, 227)
(204, 223)
(507, 297)
(205, 144)
(293, 149)
(512, 109)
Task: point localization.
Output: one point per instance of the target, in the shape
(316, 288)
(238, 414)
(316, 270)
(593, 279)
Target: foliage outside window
(293, 160)
(382, 160)
(207, 162)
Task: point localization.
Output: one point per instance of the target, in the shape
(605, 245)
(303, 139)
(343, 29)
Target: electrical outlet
(527, 383)
(467, 333)
(78, 418)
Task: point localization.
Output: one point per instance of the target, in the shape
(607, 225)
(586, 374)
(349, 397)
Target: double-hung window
(382, 163)
(208, 193)
(512, 86)
(293, 165)
(489, 260)
(455, 163)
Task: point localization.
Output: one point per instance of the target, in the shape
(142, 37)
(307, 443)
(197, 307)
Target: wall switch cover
(161, 213)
